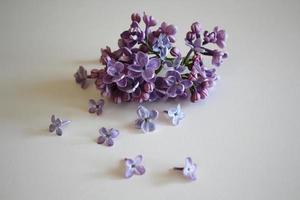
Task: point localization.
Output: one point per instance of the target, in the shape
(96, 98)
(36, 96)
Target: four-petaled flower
(96, 106)
(190, 169)
(162, 45)
(176, 84)
(144, 66)
(175, 114)
(115, 73)
(107, 135)
(56, 125)
(81, 77)
(134, 166)
(145, 119)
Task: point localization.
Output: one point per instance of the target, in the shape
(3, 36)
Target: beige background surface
(244, 138)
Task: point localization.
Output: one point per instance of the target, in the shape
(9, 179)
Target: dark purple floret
(81, 77)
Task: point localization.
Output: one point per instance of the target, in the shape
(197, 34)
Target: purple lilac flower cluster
(147, 66)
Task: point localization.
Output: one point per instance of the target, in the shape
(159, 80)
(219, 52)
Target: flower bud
(193, 76)
(149, 20)
(145, 96)
(195, 97)
(196, 27)
(204, 93)
(149, 87)
(175, 52)
(135, 17)
(190, 36)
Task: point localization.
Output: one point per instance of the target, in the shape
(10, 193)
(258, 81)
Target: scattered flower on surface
(175, 115)
(96, 106)
(56, 125)
(134, 166)
(107, 136)
(189, 170)
(145, 119)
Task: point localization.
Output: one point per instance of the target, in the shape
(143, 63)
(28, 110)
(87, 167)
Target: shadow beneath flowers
(169, 177)
(38, 132)
(60, 94)
(117, 171)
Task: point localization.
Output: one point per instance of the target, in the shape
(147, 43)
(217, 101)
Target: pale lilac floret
(146, 118)
(175, 115)
(134, 166)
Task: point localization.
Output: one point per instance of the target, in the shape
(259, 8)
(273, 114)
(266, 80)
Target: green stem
(187, 56)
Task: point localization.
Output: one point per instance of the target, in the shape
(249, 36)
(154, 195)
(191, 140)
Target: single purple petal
(58, 131)
(52, 128)
(143, 112)
(112, 71)
(153, 114)
(172, 38)
(53, 119)
(129, 171)
(139, 170)
(138, 123)
(119, 67)
(92, 102)
(114, 133)
(142, 58)
(109, 142)
(172, 91)
(103, 131)
(153, 64)
(101, 139)
(92, 110)
(187, 83)
(138, 160)
(179, 89)
(174, 73)
(148, 126)
(148, 74)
